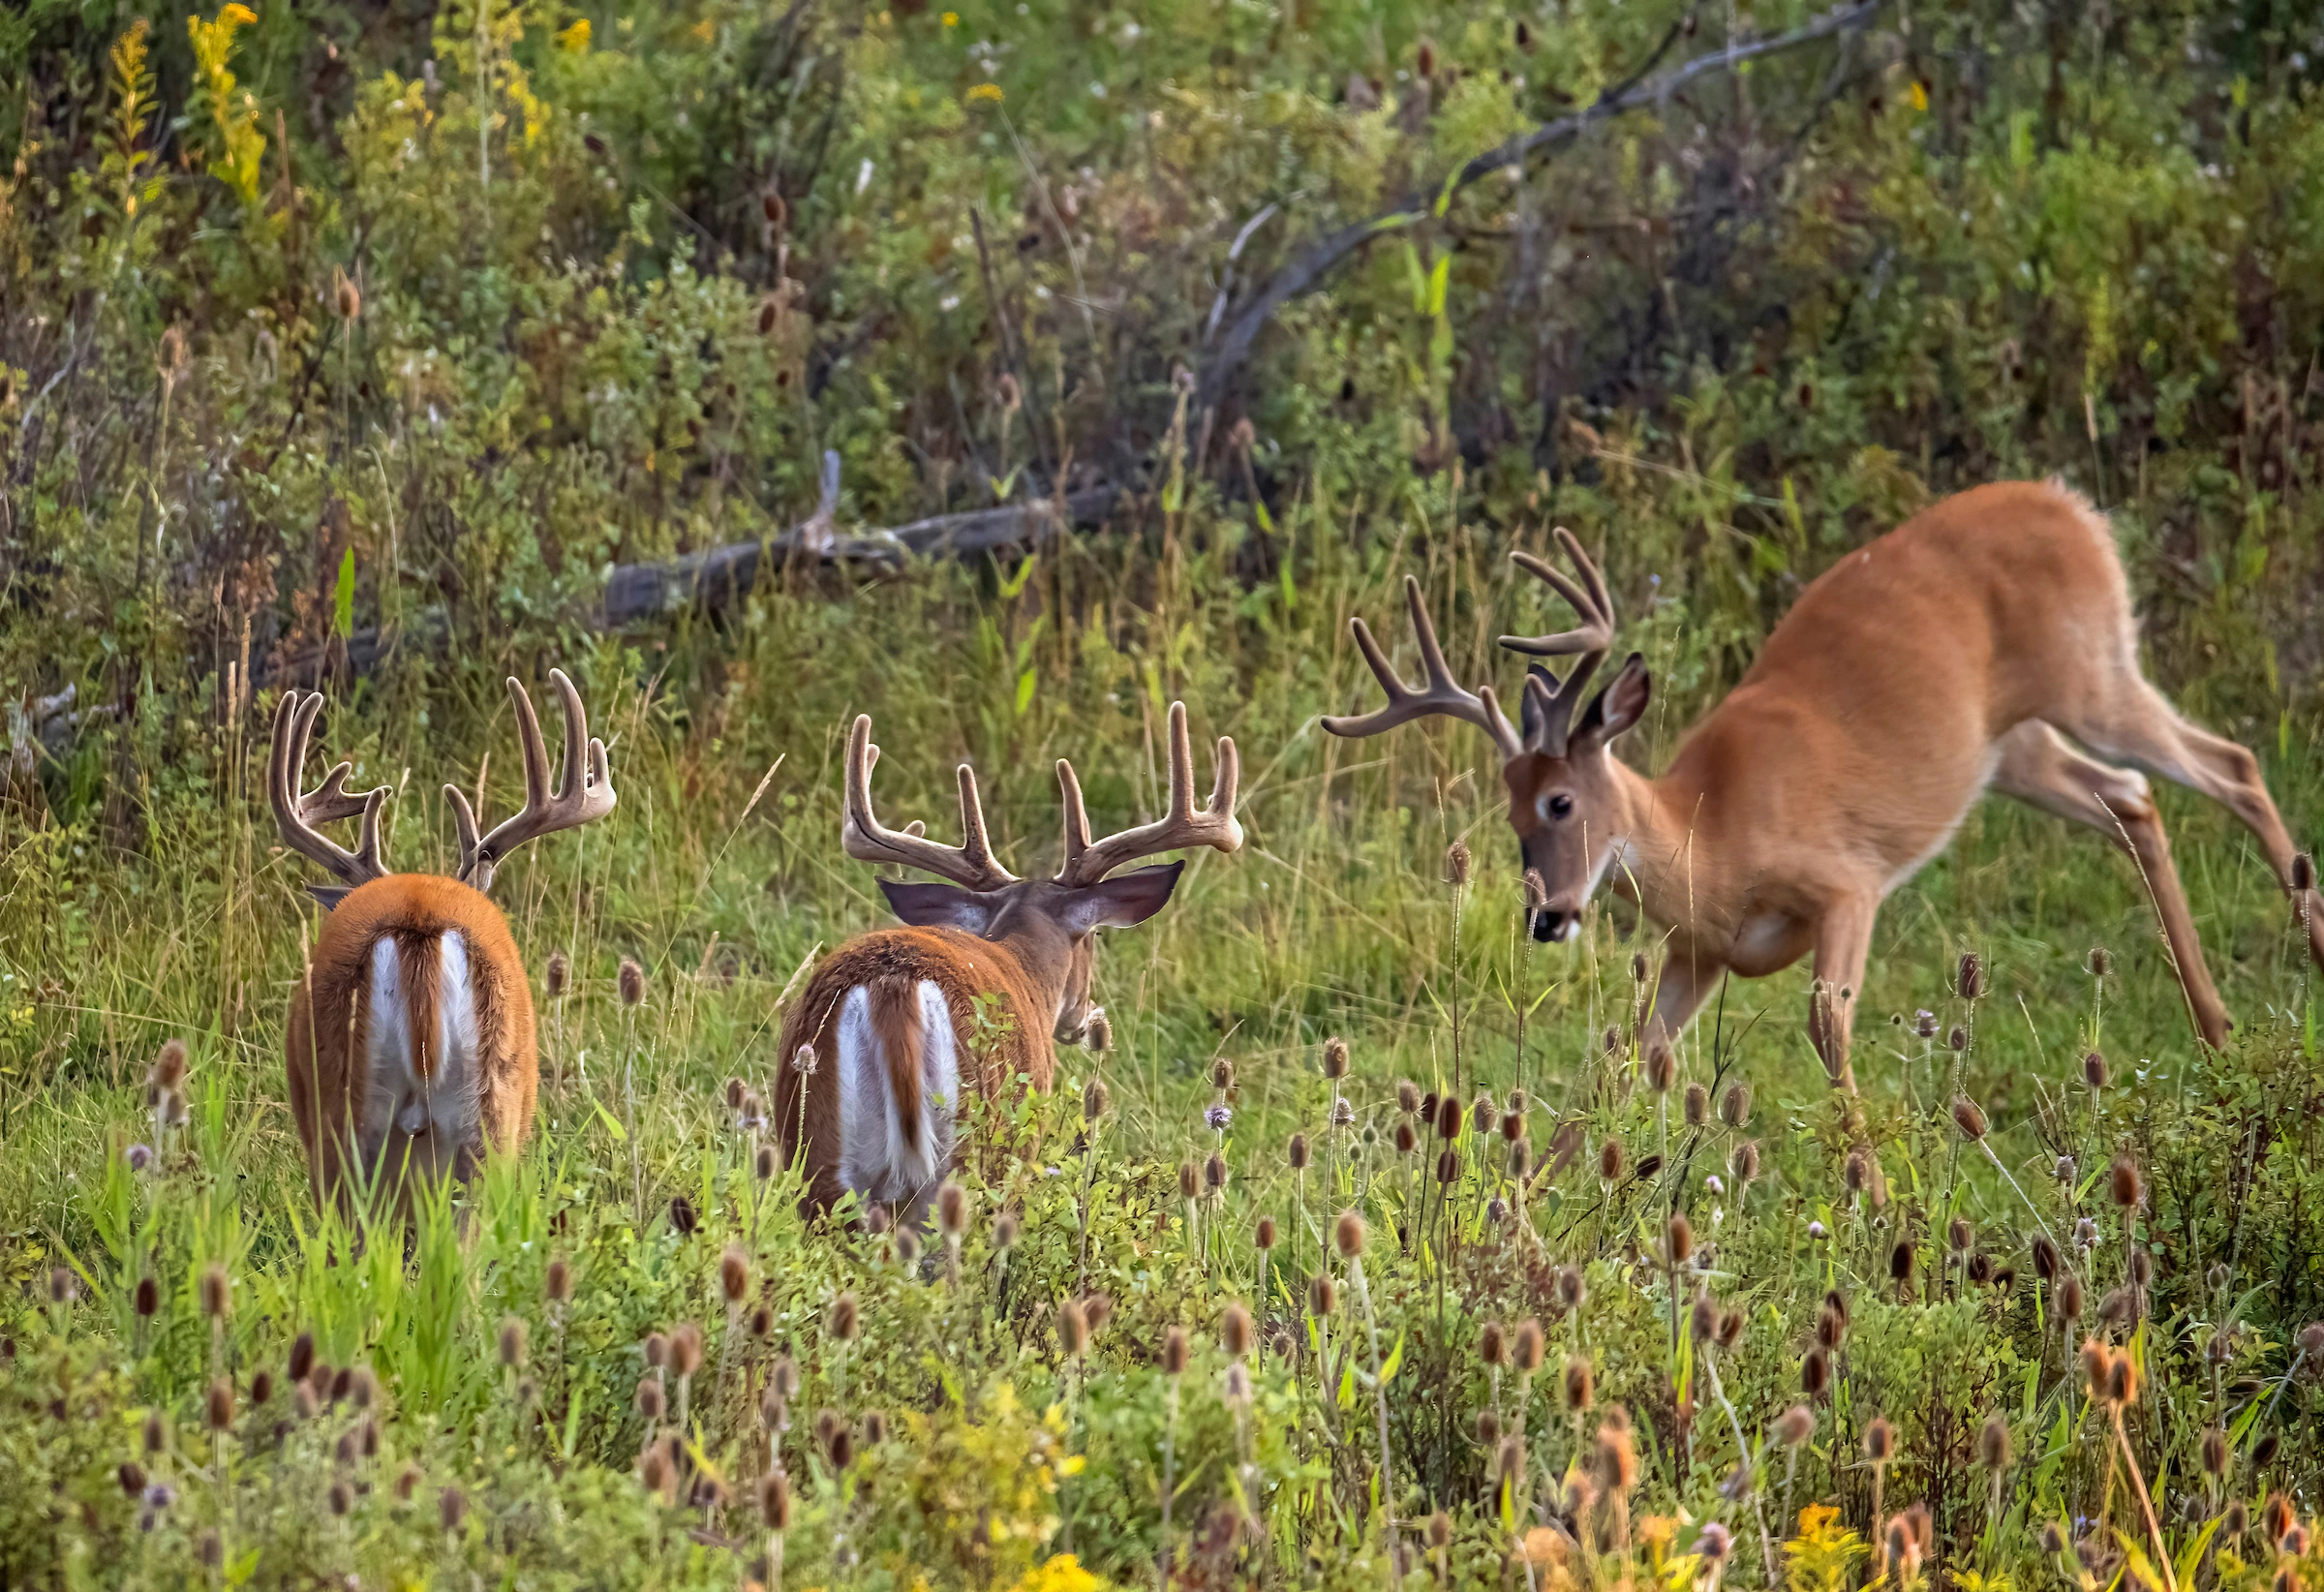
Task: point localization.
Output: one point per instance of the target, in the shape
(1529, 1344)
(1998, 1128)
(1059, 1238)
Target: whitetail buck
(1986, 643)
(890, 1021)
(411, 1038)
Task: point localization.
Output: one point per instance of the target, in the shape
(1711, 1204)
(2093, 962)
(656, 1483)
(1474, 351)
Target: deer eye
(1561, 806)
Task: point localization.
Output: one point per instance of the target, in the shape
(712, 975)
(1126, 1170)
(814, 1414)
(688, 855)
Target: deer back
(861, 1113)
(410, 1037)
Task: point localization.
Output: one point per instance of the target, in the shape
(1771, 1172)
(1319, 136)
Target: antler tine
(582, 793)
(864, 837)
(295, 814)
(1440, 694)
(1588, 599)
(1077, 816)
(1182, 825)
(1590, 641)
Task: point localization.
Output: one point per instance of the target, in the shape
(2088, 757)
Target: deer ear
(1618, 707)
(1122, 902)
(938, 906)
(329, 896)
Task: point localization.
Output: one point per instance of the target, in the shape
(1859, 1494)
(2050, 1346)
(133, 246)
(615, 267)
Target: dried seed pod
(1993, 1443)
(2124, 1182)
(1492, 1345)
(1815, 1373)
(1191, 1180)
(1795, 1425)
(846, 1317)
(1459, 864)
(512, 1341)
(775, 1500)
(1174, 1351)
(1662, 1066)
(557, 974)
(1972, 979)
(557, 1286)
(952, 1211)
(1968, 1118)
(2094, 1070)
(1959, 1234)
(1093, 1099)
(1572, 1288)
(1073, 1330)
(1880, 1441)
(2215, 1451)
(1235, 1330)
(1579, 1383)
(1447, 1118)
(1347, 1234)
(1678, 1239)
(148, 1296)
(1855, 1172)
(1488, 1429)
(683, 1220)
(1527, 1346)
(1609, 1160)
(1698, 1105)
(1321, 1294)
(2069, 1298)
(2045, 1258)
(1296, 1152)
(1263, 1233)
(1405, 1139)
(1744, 1163)
(631, 981)
(219, 1407)
(1957, 1037)
(1447, 1165)
(451, 1508)
(1335, 1058)
(1735, 1106)
(1900, 1262)
(649, 1400)
(1215, 1172)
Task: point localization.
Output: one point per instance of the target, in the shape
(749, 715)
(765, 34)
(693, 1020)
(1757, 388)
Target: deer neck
(1657, 860)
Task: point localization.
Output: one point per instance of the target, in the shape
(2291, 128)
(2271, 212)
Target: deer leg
(1843, 942)
(2040, 768)
(2150, 736)
(1678, 994)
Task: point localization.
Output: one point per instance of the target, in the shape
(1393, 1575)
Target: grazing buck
(890, 1032)
(410, 1040)
(1986, 643)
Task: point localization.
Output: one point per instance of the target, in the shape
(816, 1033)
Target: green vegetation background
(389, 329)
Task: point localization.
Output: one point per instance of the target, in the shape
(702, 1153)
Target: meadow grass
(940, 1427)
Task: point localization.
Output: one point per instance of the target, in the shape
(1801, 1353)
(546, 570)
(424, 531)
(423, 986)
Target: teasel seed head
(451, 1508)
(2124, 1182)
(1222, 1074)
(1579, 1384)
(1323, 1295)
(1958, 1235)
(1698, 1106)
(1880, 1441)
(1440, 1530)
(1795, 1425)
(1215, 1172)
(1097, 1035)
(219, 1407)
(1662, 1066)
(840, 1447)
(1447, 1118)
(775, 1500)
(2045, 1258)
(1335, 1058)
(1572, 1288)
(1174, 1351)
(1678, 1239)
(764, 1163)
(2094, 1070)
(1957, 1037)
(952, 1211)
(512, 1341)
(1006, 1231)
(1448, 1166)
(657, 1350)
(1731, 1327)
(63, 1286)
(683, 1220)
(1637, 966)
(1488, 1429)
(217, 1292)
(2070, 1298)
(1744, 1163)
(630, 982)
(2054, 1538)
(2142, 1267)
(1509, 1461)
(557, 975)
(1347, 1234)
(653, 1468)
(2236, 1520)
(148, 1295)
(1972, 979)
(1609, 1160)
(169, 1065)
(1457, 864)
(1703, 1320)
(1830, 1329)
(1093, 1099)
(1968, 1118)
(1815, 1374)
(2215, 1451)
(2311, 1341)
(1492, 1345)
(1617, 1453)
(1855, 1172)
(1901, 1259)
(685, 1349)
(155, 1435)
(1296, 1152)
(1263, 1233)
(1073, 1329)
(845, 1317)
(1735, 1106)
(650, 1399)
(557, 1286)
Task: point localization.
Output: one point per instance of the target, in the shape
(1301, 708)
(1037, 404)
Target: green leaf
(621, 1135)
(1439, 277)
(342, 601)
(1395, 1358)
(1025, 691)
(2191, 1554)
(1016, 583)
(1418, 278)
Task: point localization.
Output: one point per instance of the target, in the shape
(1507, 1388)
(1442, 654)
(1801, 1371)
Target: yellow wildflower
(986, 91)
(574, 41)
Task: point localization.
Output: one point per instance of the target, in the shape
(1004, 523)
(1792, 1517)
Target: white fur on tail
(877, 1159)
(395, 1096)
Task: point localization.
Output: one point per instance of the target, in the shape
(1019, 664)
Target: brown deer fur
(1987, 643)
(1012, 1048)
(332, 1026)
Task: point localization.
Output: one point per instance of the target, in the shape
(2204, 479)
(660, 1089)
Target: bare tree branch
(1306, 272)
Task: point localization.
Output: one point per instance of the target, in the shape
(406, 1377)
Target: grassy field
(491, 1424)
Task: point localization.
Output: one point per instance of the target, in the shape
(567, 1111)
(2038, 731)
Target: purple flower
(1815, 1230)
(1343, 1114)
(1216, 1117)
(139, 1157)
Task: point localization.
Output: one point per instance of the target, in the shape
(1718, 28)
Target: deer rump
(422, 1077)
(877, 1110)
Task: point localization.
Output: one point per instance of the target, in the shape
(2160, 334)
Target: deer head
(1564, 791)
(582, 793)
(1050, 923)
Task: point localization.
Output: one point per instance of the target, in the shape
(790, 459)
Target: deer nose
(1550, 925)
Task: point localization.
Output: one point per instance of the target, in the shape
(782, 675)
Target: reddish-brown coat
(326, 1042)
(1015, 1043)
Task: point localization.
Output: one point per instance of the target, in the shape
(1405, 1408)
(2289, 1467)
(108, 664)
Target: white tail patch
(397, 1098)
(877, 1158)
